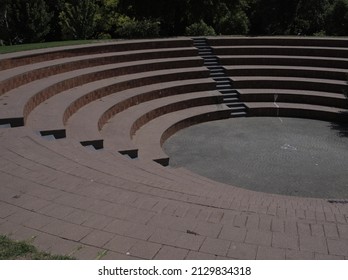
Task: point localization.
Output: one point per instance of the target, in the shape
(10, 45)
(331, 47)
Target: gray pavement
(287, 156)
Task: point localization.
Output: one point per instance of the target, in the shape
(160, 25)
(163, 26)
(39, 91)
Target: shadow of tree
(342, 126)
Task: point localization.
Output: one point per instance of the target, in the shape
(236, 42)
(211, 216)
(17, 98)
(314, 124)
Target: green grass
(20, 250)
(26, 47)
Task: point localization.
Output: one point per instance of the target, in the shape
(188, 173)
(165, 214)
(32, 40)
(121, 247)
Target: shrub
(131, 28)
(199, 29)
(78, 19)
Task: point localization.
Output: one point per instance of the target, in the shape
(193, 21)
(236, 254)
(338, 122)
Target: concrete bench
(286, 71)
(258, 82)
(279, 41)
(313, 61)
(119, 130)
(151, 136)
(15, 77)
(297, 110)
(282, 50)
(13, 60)
(19, 102)
(51, 117)
(294, 96)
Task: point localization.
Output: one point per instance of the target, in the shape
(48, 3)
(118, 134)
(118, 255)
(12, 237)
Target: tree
(55, 7)
(172, 14)
(78, 19)
(107, 18)
(271, 17)
(310, 17)
(229, 17)
(24, 21)
(337, 19)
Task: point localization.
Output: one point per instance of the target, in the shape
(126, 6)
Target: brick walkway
(88, 205)
(69, 199)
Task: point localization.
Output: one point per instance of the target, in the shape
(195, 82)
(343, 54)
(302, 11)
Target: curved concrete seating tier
(119, 130)
(298, 72)
(151, 136)
(13, 78)
(128, 97)
(278, 41)
(293, 96)
(323, 62)
(282, 51)
(289, 83)
(58, 109)
(35, 93)
(24, 58)
(324, 113)
(286, 71)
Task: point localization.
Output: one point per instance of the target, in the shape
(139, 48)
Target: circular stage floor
(287, 156)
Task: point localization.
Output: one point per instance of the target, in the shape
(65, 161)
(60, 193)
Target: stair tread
(231, 91)
(238, 114)
(231, 100)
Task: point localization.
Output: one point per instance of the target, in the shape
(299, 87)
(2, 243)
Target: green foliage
(200, 29)
(232, 22)
(24, 21)
(78, 19)
(107, 18)
(310, 17)
(131, 28)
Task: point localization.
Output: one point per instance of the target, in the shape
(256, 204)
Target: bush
(78, 19)
(199, 29)
(131, 28)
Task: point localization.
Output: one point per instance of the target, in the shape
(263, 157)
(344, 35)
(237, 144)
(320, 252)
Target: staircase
(223, 82)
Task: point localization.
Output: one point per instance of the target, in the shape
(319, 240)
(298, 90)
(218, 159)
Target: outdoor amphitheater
(92, 158)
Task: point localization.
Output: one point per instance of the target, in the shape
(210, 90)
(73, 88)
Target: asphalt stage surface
(289, 156)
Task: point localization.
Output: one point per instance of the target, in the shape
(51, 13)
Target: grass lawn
(26, 47)
(14, 250)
